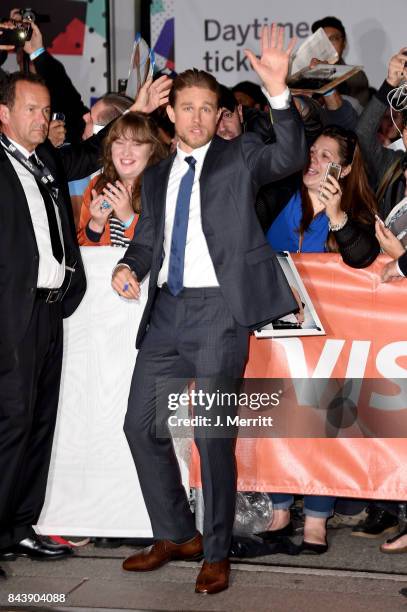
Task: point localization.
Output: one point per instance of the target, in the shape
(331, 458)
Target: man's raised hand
(272, 67)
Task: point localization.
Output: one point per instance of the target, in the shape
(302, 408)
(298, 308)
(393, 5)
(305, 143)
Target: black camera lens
(28, 13)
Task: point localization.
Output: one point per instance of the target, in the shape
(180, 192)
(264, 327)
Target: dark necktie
(175, 280)
(57, 250)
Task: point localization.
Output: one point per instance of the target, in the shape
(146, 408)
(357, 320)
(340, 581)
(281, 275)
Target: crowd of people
(200, 184)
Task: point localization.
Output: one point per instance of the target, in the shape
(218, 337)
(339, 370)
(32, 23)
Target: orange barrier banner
(366, 326)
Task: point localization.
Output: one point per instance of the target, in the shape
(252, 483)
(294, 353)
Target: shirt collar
(199, 153)
(22, 149)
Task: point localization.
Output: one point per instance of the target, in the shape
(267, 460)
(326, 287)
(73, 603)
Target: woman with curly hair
(111, 203)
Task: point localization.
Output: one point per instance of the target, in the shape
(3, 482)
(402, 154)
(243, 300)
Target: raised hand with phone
(330, 195)
(333, 209)
(397, 69)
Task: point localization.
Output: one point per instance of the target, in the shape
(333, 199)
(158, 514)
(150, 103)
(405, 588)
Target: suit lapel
(20, 202)
(160, 195)
(211, 159)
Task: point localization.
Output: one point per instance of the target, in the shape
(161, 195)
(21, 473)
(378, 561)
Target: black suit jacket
(249, 275)
(64, 96)
(19, 257)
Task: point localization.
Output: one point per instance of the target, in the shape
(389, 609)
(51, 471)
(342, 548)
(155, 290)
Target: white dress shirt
(51, 273)
(198, 266)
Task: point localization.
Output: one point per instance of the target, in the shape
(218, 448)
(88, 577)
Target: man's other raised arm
(289, 153)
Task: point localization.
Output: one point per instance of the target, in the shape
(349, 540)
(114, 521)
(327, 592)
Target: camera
(30, 15)
(16, 36)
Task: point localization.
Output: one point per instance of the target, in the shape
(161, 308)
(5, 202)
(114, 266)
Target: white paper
(397, 145)
(318, 45)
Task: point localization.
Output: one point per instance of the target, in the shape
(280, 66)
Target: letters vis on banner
(386, 365)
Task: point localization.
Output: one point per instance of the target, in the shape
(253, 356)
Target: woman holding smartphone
(111, 203)
(314, 214)
(317, 212)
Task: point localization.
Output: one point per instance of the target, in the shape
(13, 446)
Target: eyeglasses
(227, 114)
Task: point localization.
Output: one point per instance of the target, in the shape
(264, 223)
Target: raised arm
(272, 67)
(289, 151)
(378, 157)
(64, 96)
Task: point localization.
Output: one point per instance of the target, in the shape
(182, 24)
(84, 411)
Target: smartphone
(58, 117)
(334, 170)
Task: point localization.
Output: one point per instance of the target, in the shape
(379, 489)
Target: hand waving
(272, 67)
(152, 95)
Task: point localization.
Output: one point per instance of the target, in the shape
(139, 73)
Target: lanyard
(39, 171)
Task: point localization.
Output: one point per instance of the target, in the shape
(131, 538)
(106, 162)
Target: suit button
(31, 290)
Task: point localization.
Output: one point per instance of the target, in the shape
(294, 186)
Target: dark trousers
(319, 506)
(29, 389)
(192, 335)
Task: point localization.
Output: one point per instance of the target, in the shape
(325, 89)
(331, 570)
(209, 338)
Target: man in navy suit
(213, 278)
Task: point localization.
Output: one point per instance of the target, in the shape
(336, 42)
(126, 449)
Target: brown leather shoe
(213, 577)
(162, 552)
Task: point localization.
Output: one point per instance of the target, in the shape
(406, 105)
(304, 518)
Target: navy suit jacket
(250, 278)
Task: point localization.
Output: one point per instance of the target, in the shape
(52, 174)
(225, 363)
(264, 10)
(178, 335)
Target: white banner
(212, 35)
(93, 489)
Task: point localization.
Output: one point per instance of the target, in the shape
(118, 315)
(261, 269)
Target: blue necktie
(175, 280)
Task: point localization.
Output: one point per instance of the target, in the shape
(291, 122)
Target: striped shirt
(117, 236)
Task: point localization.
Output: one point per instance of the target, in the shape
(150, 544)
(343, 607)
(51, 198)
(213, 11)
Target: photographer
(64, 96)
(384, 164)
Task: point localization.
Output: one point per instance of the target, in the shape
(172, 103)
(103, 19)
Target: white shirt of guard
(198, 266)
(51, 273)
